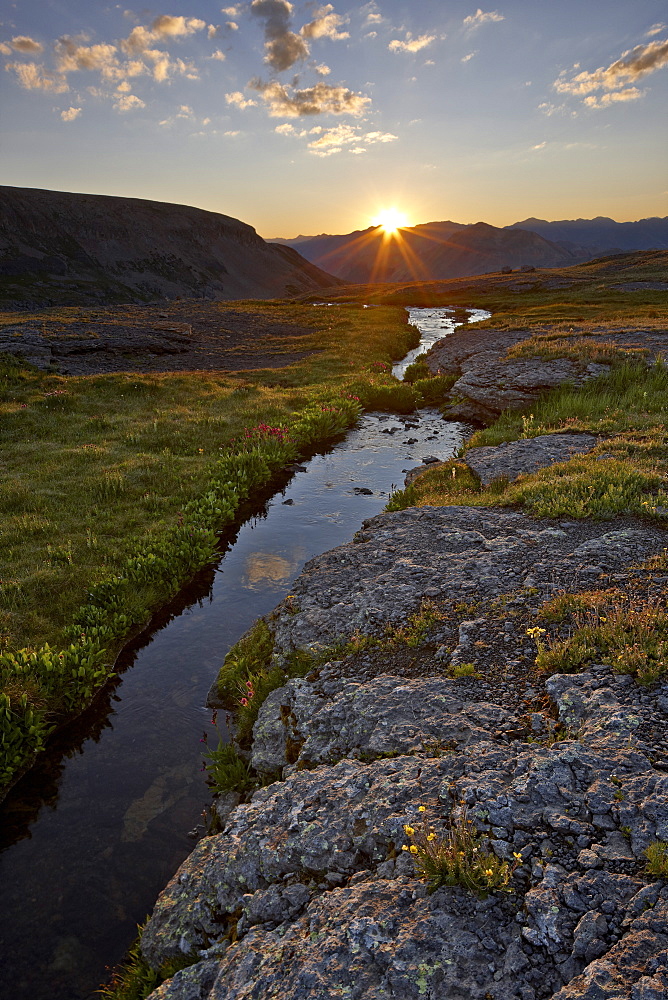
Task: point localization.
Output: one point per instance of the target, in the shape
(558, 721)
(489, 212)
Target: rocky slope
(61, 248)
(307, 894)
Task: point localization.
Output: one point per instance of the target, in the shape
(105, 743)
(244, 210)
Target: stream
(94, 831)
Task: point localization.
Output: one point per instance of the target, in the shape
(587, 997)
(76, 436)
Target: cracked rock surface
(306, 893)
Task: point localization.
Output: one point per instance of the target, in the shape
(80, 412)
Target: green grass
(626, 473)
(113, 488)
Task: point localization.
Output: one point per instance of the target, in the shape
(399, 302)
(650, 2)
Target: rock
(386, 715)
(452, 550)
(517, 383)
(517, 458)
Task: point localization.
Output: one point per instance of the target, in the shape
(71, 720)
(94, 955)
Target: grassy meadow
(113, 487)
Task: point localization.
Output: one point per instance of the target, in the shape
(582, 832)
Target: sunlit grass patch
(628, 632)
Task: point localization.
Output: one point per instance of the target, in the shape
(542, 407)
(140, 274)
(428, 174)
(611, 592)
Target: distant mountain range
(58, 248)
(441, 250)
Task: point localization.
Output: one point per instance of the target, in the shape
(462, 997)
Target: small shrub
(227, 770)
(459, 858)
(134, 979)
(657, 859)
(462, 670)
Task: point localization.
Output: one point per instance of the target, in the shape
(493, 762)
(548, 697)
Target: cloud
(334, 140)
(124, 88)
(468, 57)
(28, 46)
(328, 141)
(480, 17)
(326, 25)
(162, 27)
(605, 100)
(539, 145)
(220, 56)
(230, 11)
(323, 70)
(656, 29)
(322, 98)
(129, 102)
(70, 114)
(34, 77)
(630, 67)
(238, 100)
(411, 44)
(371, 12)
(283, 46)
(232, 25)
(71, 56)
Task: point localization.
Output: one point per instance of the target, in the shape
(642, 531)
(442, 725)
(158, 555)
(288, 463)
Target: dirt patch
(169, 337)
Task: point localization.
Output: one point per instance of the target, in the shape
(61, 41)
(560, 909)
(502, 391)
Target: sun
(390, 220)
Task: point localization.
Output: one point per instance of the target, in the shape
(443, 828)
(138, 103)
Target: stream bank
(96, 829)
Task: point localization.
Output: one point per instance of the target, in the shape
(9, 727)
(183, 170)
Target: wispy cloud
(482, 17)
(36, 77)
(238, 100)
(326, 24)
(410, 44)
(467, 58)
(328, 141)
(616, 97)
(322, 98)
(656, 29)
(632, 66)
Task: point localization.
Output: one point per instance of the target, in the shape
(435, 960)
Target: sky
(308, 118)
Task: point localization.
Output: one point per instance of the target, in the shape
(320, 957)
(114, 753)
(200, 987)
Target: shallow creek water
(92, 834)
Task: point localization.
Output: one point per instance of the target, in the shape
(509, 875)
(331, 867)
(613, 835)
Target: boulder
(513, 459)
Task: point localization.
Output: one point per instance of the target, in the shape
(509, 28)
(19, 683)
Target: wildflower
(409, 830)
(404, 847)
(535, 632)
(413, 849)
(422, 809)
(516, 855)
(431, 836)
(488, 872)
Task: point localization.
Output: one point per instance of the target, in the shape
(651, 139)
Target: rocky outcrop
(61, 248)
(519, 458)
(306, 892)
(43, 351)
(491, 382)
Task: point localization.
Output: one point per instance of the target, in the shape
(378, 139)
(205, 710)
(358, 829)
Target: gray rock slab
(386, 715)
(518, 458)
(457, 552)
(273, 867)
(500, 385)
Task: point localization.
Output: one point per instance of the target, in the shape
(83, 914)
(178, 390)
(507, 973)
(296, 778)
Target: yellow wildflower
(488, 871)
(409, 830)
(516, 855)
(431, 836)
(404, 847)
(413, 849)
(422, 809)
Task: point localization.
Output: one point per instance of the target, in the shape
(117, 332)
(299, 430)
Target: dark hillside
(61, 248)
